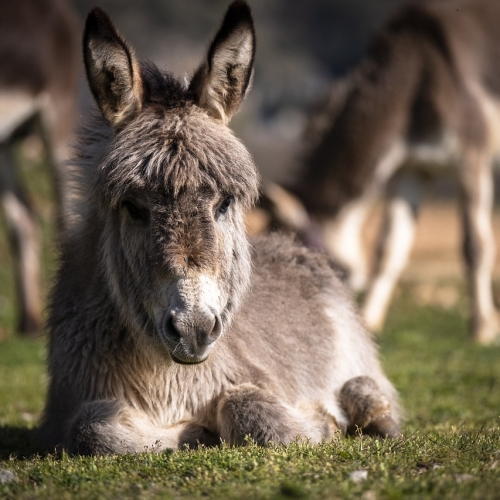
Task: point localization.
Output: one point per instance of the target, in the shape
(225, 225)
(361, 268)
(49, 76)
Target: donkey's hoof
(487, 332)
(384, 426)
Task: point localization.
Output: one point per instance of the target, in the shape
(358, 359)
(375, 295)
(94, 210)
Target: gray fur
(166, 326)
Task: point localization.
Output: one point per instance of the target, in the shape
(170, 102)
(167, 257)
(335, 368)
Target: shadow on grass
(18, 442)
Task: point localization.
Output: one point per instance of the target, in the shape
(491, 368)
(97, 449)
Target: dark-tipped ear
(112, 70)
(220, 83)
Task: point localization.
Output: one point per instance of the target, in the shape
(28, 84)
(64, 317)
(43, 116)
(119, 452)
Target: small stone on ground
(6, 476)
(358, 476)
(369, 495)
(462, 478)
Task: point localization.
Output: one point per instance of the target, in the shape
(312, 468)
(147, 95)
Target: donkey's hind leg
(109, 427)
(248, 411)
(367, 408)
(24, 235)
(343, 238)
(479, 242)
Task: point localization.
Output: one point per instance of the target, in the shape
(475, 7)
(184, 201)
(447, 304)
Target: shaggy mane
(171, 147)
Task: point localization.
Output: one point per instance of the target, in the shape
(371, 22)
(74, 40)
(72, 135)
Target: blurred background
(302, 48)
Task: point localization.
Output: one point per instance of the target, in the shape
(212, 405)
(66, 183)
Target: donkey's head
(172, 185)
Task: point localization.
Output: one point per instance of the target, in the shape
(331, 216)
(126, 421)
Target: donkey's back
(300, 327)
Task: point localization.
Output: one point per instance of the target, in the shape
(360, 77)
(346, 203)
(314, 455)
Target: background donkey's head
(170, 185)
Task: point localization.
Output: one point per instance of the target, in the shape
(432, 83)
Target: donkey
(160, 334)
(424, 101)
(39, 73)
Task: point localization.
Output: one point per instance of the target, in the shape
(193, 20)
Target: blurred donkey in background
(39, 74)
(426, 97)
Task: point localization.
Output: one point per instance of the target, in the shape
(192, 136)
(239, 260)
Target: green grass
(450, 389)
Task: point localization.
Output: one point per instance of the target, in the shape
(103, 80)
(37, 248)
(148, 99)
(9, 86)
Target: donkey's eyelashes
(135, 212)
(224, 206)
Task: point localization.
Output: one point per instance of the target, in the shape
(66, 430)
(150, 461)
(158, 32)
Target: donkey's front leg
(367, 408)
(111, 427)
(248, 411)
(394, 247)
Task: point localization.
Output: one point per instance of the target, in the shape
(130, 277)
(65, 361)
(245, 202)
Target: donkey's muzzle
(190, 337)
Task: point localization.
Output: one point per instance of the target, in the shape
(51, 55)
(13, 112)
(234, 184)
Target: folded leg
(108, 427)
(367, 408)
(247, 410)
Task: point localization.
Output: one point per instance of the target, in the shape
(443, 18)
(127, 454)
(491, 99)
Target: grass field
(450, 389)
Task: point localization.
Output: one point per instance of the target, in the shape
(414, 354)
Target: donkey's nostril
(171, 331)
(216, 330)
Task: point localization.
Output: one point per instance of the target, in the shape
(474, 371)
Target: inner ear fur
(112, 70)
(220, 83)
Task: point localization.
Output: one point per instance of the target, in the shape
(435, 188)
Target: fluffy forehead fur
(172, 146)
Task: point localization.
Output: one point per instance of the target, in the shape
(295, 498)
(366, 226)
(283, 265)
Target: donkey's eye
(225, 205)
(134, 212)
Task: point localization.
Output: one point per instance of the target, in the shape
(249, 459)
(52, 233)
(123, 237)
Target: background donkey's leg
(247, 410)
(343, 238)
(24, 236)
(395, 243)
(479, 244)
(367, 408)
(108, 427)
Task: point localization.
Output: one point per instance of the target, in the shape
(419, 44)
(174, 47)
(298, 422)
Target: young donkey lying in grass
(160, 335)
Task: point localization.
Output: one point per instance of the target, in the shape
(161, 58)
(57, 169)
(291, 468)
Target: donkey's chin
(184, 355)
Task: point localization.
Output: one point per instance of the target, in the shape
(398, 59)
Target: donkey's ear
(220, 83)
(112, 70)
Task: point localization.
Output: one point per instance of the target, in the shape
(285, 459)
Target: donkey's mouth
(192, 361)
(183, 354)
